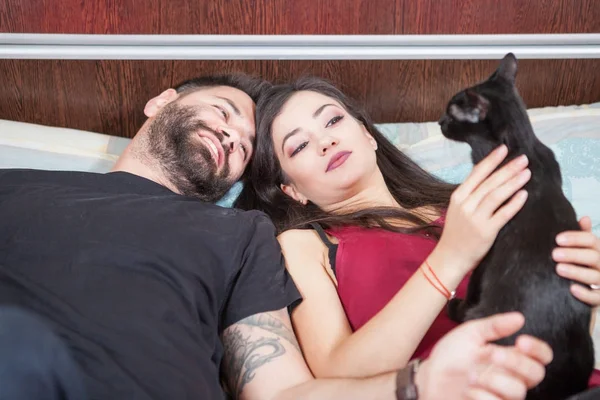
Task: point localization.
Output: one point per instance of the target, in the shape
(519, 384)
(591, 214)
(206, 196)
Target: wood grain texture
(505, 16)
(109, 96)
(326, 17)
(129, 16)
(300, 17)
(199, 17)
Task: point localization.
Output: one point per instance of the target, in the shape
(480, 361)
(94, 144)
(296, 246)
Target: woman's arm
(389, 339)
(383, 344)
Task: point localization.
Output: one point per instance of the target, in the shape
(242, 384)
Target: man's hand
(465, 365)
(578, 259)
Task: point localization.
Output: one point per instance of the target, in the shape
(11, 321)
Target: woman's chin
(347, 185)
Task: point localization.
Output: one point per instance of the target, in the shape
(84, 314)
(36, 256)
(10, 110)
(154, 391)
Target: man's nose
(231, 140)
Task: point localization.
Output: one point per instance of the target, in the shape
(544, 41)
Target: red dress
(372, 265)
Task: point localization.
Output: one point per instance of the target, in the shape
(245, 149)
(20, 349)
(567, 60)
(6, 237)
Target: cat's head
(478, 109)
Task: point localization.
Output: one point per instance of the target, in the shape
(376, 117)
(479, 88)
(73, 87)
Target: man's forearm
(262, 361)
(382, 387)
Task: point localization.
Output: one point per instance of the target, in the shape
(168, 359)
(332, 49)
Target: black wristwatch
(405, 382)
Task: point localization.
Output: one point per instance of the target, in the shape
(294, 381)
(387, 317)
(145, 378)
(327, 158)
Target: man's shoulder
(248, 220)
(29, 176)
(257, 217)
(24, 172)
(250, 217)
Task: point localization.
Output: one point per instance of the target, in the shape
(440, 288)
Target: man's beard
(174, 144)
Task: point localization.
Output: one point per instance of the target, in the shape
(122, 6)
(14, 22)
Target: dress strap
(332, 247)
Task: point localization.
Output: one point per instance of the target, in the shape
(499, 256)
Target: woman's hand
(578, 258)
(476, 214)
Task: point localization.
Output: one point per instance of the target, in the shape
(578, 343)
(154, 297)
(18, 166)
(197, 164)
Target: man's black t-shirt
(138, 281)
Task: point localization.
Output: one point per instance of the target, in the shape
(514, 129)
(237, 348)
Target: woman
(376, 279)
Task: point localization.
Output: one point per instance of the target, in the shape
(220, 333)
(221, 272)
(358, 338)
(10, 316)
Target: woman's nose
(327, 144)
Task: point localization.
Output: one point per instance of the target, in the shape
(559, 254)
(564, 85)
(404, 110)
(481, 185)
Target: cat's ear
(508, 68)
(476, 110)
(479, 103)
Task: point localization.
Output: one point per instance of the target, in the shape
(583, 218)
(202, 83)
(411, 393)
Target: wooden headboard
(108, 96)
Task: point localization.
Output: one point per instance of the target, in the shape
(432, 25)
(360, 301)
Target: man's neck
(143, 167)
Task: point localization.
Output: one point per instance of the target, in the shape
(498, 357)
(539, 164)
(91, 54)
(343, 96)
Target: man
(134, 284)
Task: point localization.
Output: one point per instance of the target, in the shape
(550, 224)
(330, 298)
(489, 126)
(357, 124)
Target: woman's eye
(299, 149)
(334, 121)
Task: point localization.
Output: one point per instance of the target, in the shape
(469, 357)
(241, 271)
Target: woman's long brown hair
(410, 185)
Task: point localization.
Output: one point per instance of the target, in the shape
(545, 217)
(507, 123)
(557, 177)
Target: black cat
(518, 273)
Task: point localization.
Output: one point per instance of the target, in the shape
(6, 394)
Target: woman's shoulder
(299, 238)
(306, 256)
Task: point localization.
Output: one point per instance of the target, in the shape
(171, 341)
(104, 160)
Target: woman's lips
(337, 160)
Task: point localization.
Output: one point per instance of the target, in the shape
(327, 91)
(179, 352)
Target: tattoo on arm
(246, 353)
(273, 325)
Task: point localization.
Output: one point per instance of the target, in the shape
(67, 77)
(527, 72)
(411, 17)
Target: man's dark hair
(252, 86)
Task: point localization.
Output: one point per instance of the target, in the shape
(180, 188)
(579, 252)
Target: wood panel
(505, 16)
(128, 16)
(326, 17)
(109, 96)
(199, 17)
(300, 17)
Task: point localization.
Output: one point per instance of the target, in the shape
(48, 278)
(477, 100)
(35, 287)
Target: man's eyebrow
(231, 104)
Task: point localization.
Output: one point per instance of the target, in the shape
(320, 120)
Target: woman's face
(327, 155)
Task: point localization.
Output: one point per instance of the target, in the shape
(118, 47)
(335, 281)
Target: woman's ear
(154, 105)
(370, 137)
(291, 191)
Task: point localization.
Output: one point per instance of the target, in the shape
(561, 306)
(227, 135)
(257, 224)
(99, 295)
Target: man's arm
(263, 361)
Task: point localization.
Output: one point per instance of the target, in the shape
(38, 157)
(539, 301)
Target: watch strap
(405, 382)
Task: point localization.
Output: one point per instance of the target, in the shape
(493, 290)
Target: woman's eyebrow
(320, 109)
(315, 115)
(289, 135)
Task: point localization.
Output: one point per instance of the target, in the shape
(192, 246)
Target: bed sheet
(572, 132)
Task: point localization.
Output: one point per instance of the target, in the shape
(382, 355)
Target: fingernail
(558, 254)
(525, 343)
(562, 239)
(501, 150)
(525, 175)
(522, 194)
(562, 269)
(522, 160)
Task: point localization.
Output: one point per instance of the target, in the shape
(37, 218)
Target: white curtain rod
(296, 47)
